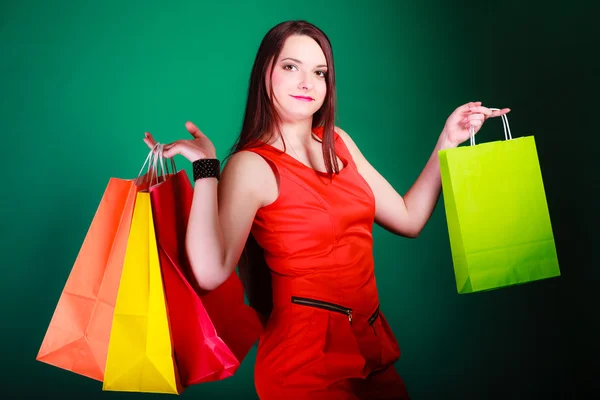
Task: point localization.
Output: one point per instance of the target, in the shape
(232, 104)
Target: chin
(300, 115)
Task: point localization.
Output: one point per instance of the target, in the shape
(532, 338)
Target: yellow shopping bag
(140, 354)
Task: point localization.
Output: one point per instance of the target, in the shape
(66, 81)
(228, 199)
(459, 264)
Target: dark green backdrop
(82, 80)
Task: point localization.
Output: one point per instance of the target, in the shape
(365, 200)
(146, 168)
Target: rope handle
(507, 133)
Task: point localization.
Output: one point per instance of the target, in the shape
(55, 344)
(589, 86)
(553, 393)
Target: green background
(81, 81)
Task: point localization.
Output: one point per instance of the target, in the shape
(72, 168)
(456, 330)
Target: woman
(295, 208)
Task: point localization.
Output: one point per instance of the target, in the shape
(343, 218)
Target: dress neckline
(344, 160)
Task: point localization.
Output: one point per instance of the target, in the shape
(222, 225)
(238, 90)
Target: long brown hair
(261, 121)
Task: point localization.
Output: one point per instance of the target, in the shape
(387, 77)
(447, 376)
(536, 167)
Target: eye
(287, 66)
(322, 74)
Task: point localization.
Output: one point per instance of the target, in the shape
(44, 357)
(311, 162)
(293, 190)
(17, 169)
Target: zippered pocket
(324, 305)
(333, 307)
(373, 317)
(372, 320)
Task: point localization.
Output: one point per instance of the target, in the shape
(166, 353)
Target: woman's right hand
(193, 149)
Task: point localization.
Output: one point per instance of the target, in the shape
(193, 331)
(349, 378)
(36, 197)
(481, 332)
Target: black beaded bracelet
(207, 168)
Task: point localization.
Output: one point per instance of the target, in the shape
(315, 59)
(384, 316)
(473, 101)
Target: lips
(303, 98)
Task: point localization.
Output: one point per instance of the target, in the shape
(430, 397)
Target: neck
(294, 133)
(297, 132)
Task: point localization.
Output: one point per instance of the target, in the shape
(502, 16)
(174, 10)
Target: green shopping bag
(497, 215)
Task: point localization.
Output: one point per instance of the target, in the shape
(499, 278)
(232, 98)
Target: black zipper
(373, 317)
(324, 305)
(333, 307)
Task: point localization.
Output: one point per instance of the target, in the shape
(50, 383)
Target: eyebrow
(300, 62)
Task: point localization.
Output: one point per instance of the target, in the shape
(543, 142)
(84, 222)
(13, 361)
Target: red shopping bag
(212, 331)
(79, 331)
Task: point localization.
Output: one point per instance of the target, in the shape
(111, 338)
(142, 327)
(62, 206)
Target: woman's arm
(407, 215)
(221, 218)
(222, 213)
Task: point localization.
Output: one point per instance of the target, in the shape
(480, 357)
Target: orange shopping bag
(78, 334)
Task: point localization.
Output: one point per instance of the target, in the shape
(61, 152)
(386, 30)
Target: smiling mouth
(303, 98)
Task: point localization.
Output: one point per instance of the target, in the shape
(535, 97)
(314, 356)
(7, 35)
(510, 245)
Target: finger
(472, 117)
(175, 143)
(182, 147)
(149, 137)
(497, 113)
(482, 110)
(193, 129)
(466, 107)
(475, 124)
(148, 143)
(151, 144)
(490, 113)
(170, 150)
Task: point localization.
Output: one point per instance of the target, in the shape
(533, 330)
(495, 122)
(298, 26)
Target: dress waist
(359, 297)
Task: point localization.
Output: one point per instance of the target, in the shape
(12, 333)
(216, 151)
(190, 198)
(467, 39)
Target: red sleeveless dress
(326, 337)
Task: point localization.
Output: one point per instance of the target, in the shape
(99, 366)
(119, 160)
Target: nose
(306, 82)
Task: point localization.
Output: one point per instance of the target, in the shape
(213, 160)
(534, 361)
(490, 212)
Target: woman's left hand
(472, 114)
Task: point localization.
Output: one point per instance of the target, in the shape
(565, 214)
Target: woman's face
(298, 78)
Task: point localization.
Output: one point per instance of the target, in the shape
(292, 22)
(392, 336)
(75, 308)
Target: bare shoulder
(248, 174)
(243, 160)
(350, 144)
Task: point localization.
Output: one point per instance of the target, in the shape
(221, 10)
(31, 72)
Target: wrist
(206, 168)
(199, 155)
(444, 142)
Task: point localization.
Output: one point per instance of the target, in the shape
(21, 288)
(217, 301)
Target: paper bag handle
(507, 133)
(163, 162)
(149, 159)
(154, 159)
(159, 160)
